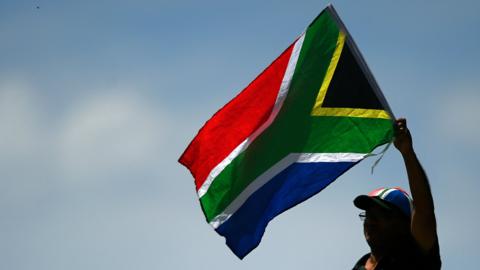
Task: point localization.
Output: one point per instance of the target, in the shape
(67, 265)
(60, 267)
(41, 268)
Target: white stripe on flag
(282, 94)
(330, 157)
(276, 169)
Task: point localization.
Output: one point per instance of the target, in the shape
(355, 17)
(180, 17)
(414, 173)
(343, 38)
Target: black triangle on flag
(349, 88)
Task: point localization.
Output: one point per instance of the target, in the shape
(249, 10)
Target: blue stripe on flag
(245, 228)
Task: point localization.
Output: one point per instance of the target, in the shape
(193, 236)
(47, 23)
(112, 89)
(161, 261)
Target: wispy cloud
(20, 128)
(110, 133)
(100, 137)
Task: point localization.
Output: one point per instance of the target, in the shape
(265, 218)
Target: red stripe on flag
(236, 121)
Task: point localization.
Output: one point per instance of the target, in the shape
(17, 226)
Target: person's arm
(424, 227)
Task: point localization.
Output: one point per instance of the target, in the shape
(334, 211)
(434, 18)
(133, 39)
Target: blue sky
(98, 99)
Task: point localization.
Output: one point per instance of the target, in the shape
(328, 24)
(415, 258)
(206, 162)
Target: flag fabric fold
(311, 115)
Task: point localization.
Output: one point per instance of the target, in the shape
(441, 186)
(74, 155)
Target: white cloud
(110, 134)
(19, 121)
(23, 145)
(114, 132)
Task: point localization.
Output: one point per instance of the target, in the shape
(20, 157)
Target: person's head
(387, 217)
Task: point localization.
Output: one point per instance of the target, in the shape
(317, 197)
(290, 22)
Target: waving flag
(311, 115)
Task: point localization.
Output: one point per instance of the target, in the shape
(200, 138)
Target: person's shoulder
(361, 262)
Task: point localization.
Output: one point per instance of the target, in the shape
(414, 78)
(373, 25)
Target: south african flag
(311, 115)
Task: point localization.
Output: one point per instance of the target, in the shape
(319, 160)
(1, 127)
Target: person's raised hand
(403, 138)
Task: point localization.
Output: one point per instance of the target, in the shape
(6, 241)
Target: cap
(388, 198)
